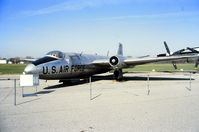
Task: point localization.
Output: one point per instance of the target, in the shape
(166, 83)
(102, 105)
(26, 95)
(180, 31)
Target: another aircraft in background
(57, 65)
(188, 51)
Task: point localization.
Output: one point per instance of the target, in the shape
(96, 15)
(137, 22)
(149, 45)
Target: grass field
(18, 68)
(11, 68)
(162, 68)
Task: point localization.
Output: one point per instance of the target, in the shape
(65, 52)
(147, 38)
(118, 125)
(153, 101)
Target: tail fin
(169, 52)
(167, 48)
(120, 50)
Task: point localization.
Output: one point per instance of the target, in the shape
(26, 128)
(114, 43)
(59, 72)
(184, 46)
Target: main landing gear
(118, 74)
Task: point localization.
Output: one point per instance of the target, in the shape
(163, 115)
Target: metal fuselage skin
(68, 67)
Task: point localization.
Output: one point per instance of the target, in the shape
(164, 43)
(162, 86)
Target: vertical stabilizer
(169, 52)
(167, 48)
(120, 50)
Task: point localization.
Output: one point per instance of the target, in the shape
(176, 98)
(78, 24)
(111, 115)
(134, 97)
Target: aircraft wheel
(118, 75)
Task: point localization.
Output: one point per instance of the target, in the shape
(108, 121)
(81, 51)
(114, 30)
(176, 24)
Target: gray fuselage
(58, 65)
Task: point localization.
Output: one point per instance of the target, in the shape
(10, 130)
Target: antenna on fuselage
(107, 53)
(81, 53)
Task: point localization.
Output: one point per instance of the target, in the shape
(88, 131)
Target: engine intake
(117, 62)
(114, 60)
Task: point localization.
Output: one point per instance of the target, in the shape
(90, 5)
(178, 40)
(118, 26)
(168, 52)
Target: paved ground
(172, 105)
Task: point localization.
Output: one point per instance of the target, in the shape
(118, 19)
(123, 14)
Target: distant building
(3, 61)
(21, 62)
(9, 62)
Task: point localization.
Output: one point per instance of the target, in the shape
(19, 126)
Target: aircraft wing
(140, 61)
(126, 62)
(28, 60)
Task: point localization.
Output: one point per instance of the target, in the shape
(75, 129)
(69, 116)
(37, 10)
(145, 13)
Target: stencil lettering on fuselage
(62, 69)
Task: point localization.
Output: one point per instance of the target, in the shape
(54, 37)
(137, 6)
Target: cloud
(71, 5)
(160, 15)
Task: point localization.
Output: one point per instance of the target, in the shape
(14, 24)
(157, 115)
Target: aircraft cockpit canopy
(50, 56)
(55, 54)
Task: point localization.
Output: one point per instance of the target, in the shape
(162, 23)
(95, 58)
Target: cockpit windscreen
(51, 56)
(56, 54)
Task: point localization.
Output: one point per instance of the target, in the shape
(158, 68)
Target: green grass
(11, 68)
(18, 68)
(162, 68)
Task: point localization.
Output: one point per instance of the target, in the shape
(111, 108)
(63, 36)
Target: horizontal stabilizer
(193, 50)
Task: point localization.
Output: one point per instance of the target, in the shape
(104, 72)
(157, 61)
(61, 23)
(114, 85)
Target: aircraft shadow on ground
(45, 92)
(37, 93)
(110, 77)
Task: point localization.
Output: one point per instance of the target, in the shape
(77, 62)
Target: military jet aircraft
(181, 52)
(187, 51)
(57, 65)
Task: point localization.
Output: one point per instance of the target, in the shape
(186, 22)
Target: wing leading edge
(140, 61)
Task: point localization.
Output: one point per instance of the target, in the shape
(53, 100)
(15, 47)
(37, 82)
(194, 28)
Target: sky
(35, 27)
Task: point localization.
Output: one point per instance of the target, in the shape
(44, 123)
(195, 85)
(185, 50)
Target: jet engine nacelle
(117, 62)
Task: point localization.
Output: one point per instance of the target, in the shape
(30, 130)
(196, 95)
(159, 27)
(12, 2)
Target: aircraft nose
(30, 69)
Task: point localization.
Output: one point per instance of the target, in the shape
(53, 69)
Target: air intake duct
(114, 60)
(117, 62)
